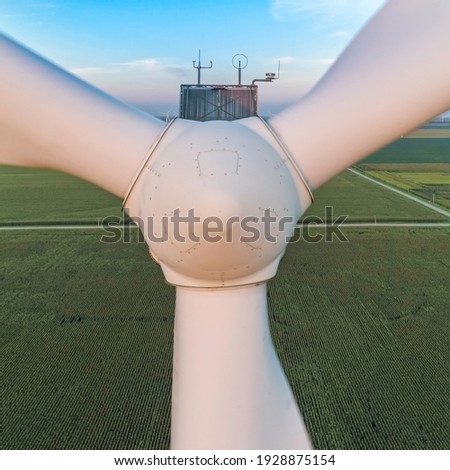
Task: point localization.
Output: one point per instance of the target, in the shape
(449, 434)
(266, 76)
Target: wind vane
(199, 67)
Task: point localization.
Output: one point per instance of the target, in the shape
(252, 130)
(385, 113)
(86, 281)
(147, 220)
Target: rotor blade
(51, 119)
(393, 77)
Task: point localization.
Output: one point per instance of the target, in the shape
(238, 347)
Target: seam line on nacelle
(144, 164)
(289, 157)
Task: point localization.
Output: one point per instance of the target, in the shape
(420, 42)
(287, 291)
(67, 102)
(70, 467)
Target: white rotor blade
(51, 119)
(393, 77)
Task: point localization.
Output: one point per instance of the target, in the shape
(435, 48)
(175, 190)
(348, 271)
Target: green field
(86, 341)
(413, 151)
(419, 165)
(429, 134)
(36, 196)
(362, 329)
(33, 196)
(431, 182)
(362, 201)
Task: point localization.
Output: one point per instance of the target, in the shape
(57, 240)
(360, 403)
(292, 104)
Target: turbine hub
(216, 203)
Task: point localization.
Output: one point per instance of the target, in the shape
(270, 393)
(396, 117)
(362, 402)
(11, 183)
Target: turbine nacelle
(235, 235)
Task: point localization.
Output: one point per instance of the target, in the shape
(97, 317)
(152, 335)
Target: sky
(141, 50)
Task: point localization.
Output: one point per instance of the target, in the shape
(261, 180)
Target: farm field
(430, 181)
(431, 130)
(420, 165)
(419, 150)
(362, 329)
(46, 197)
(429, 134)
(37, 196)
(361, 201)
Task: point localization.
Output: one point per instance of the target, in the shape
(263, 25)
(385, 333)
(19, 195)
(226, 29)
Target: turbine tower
(229, 390)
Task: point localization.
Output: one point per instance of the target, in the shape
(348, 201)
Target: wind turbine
(229, 390)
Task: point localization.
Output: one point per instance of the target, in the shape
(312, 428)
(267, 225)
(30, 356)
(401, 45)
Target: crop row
(360, 328)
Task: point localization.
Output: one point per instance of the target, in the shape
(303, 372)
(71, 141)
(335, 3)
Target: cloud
(155, 65)
(305, 60)
(324, 10)
(286, 59)
(340, 34)
(136, 78)
(150, 62)
(325, 61)
(148, 67)
(82, 71)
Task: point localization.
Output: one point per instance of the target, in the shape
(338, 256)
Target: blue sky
(141, 50)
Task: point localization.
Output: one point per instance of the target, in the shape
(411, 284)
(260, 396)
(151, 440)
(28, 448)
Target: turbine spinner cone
(216, 203)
